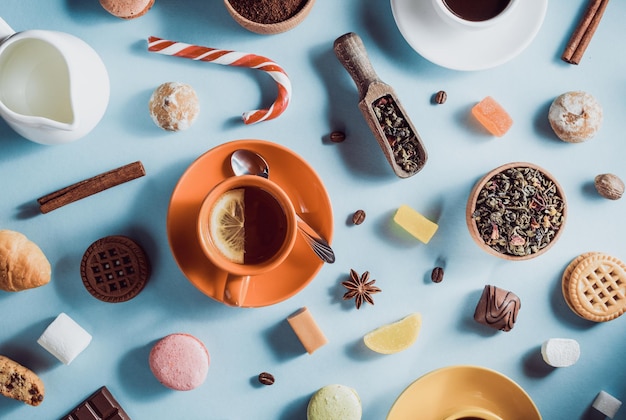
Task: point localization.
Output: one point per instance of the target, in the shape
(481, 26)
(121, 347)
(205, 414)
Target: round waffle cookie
(594, 286)
(114, 269)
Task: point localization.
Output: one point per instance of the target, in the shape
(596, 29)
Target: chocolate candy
(101, 405)
(114, 269)
(497, 308)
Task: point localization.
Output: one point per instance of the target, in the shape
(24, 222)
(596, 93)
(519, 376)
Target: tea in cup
(246, 227)
(475, 14)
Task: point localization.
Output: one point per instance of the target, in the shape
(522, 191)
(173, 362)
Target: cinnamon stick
(581, 37)
(90, 186)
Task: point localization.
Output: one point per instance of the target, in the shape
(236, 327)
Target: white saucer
(459, 49)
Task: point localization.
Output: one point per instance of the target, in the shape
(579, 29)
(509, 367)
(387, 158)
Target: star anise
(360, 289)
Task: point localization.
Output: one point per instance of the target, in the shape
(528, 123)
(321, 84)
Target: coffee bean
(337, 136)
(358, 217)
(437, 275)
(266, 378)
(440, 97)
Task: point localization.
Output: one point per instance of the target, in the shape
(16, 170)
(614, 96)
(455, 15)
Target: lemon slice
(394, 337)
(227, 225)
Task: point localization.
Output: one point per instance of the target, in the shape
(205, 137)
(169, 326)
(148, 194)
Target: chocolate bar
(98, 406)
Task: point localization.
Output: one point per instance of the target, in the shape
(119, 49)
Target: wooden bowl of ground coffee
(269, 16)
(516, 212)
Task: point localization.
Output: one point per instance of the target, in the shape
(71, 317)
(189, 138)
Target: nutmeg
(609, 186)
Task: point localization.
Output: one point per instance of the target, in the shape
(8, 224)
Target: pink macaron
(180, 361)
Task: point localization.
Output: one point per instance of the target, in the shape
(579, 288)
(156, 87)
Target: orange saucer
(302, 185)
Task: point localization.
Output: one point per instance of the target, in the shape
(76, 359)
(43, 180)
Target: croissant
(23, 264)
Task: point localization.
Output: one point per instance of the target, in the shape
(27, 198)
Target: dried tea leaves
(519, 211)
(400, 136)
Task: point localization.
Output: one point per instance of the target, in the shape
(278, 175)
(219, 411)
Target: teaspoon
(247, 162)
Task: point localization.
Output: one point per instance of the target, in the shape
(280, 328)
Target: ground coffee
(267, 11)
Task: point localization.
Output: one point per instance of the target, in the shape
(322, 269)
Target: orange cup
(272, 228)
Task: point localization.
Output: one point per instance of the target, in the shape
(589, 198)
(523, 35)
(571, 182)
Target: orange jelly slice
(492, 116)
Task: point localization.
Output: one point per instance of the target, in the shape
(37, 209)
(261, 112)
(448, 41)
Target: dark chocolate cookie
(114, 269)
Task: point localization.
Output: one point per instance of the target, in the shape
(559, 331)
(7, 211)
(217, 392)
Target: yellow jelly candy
(492, 116)
(394, 337)
(414, 223)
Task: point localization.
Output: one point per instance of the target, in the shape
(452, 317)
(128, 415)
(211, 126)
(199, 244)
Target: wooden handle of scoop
(351, 52)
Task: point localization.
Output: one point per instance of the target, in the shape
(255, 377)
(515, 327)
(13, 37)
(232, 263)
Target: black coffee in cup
(248, 225)
(476, 10)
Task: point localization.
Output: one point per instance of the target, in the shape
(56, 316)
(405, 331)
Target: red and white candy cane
(237, 59)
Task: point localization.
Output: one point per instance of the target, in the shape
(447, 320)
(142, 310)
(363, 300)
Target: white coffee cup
(492, 15)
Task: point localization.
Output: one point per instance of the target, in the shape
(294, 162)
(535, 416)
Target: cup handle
(236, 289)
(5, 30)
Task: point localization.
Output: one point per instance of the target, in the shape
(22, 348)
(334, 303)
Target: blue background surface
(245, 342)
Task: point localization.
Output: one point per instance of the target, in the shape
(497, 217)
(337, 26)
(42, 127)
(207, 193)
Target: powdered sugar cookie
(575, 116)
(174, 106)
(127, 9)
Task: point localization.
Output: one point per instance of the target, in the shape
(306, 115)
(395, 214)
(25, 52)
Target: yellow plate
(442, 392)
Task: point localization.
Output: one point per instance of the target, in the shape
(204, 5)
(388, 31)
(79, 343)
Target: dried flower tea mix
(402, 140)
(384, 114)
(519, 211)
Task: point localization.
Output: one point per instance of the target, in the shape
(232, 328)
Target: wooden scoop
(394, 131)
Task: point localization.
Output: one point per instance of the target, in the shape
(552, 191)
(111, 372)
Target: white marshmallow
(560, 352)
(606, 404)
(64, 338)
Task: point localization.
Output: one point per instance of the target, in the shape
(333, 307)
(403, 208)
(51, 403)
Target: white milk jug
(54, 88)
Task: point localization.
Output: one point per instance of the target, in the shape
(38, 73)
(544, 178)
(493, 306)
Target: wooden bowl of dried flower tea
(269, 17)
(517, 211)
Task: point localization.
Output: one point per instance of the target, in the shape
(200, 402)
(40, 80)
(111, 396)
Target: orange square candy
(492, 116)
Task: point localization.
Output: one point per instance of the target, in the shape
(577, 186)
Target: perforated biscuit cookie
(597, 288)
(114, 269)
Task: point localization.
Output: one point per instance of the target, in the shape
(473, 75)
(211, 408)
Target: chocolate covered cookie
(114, 269)
(497, 308)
